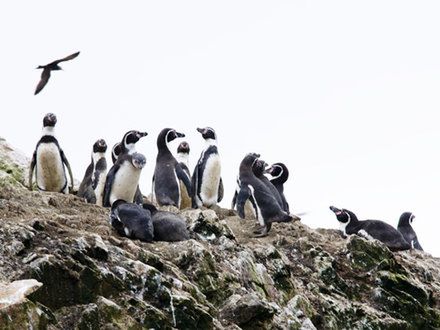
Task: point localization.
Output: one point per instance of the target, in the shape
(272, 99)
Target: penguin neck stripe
(211, 142)
(49, 130)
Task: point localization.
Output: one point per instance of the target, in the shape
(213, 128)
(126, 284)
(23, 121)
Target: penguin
(128, 143)
(370, 229)
(183, 160)
(49, 160)
(132, 220)
(123, 178)
(168, 173)
(168, 226)
(405, 228)
(280, 174)
(206, 179)
(267, 208)
(259, 168)
(92, 185)
(116, 151)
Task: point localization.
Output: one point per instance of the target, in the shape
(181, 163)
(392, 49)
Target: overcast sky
(345, 93)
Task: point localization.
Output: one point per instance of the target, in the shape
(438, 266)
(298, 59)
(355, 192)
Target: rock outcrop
(63, 267)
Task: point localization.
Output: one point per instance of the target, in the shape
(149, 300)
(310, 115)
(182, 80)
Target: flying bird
(45, 75)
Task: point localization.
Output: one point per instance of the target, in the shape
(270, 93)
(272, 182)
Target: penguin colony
(133, 216)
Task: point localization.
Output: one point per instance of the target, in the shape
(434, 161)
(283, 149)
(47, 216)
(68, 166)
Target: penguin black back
(280, 174)
(407, 231)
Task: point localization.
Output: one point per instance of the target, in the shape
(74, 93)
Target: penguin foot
(262, 231)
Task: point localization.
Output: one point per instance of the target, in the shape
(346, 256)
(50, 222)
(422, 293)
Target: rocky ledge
(63, 267)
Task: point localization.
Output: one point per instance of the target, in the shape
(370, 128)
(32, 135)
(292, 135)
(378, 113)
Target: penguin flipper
(234, 200)
(417, 245)
(242, 197)
(195, 182)
(66, 162)
(108, 184)
(220, 191)
(138, 198)
(32, 168)
(181, 175)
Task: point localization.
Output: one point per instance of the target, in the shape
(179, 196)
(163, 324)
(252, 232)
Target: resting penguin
(183, 160)
(116, 151)
(168, 173)
(167, 226)
(49, 160)
(206, 180)
(405, 228)
(123, 178)
(370, 229)
(92, 185)
(132, 220)
(280, 174)
(268, 209)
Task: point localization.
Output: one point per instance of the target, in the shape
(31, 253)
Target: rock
(248, 311)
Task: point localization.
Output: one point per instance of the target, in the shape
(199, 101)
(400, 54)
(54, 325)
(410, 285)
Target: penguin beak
(141, 134)
(269, 170)
(335, 210)
(180, 134)
(200, 130)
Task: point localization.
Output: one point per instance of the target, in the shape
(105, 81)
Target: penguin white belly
(50, 174)
(210, 181)
(125, 182)
(99, 190)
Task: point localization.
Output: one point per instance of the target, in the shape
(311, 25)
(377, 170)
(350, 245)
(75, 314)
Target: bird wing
(67, 58)
(45, 75)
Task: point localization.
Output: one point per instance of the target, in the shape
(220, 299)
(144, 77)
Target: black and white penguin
(168, 226)
(206, 179)
(92, 185)
(123, 178)
(259, 170)
(370, 229)
(405, 228)
(168, 173)
(49, 160)
(132, 220)
(268, 209)
(280, 174)
(128, 145)
(182, 158)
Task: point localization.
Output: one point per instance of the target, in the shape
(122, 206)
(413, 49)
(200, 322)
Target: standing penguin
(116, 151)
(280, 174)
(49, 160)
(267, 208)
(132, 220)
(407, 231)
(206, 179)
(259, 169)
(168, 172)
(183, 160)
(370, 229)
(92, 185)
(123, 178)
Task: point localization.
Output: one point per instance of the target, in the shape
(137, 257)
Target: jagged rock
(248, 311)
(222, 278)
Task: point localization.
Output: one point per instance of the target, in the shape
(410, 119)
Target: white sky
(345, 93)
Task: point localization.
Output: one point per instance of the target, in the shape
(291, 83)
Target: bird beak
(200, 130)
(180, 134)
(268, 170)
(335, 210)
(142, 134)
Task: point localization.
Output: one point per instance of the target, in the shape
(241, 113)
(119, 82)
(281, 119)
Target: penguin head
(183, 148)
(207, 133)
(100, 146)
(116, 151)
(406, 219)
(150, 207)
(258, 167)
(49, 120)
(344, 216)
(131, 137)
(138, 160)
(171, 135)
(249, 160)
(116, 203)
(278, 171)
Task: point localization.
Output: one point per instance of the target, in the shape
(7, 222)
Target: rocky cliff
(63, 267)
